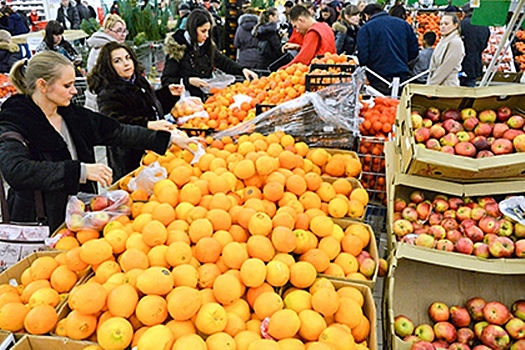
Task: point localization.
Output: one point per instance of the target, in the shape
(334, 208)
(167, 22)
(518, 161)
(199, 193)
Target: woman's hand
(291, 47)
(176, 89)
(183, 141)
(198, 82)
(160, 125)
(249, 75)
(100, 173)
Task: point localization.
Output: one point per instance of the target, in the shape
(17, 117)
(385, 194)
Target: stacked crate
(232, 12)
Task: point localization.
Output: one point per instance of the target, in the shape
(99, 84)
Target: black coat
(47, 165)
(269, 44)
(345, 37)
(69, 15)
(134, 104)
(9, 54)
(475, 39)
(183, 61)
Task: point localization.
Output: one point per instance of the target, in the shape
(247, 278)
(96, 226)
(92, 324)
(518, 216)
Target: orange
(207, 250)
(180, 328)
(322, 226)
(302, 274)
(337, 337)
(325, 301)
(253, 272)
(284, 324)
(189, 341)
(42, 268)
(151, 310)
(260, 224)
(41, 319)
(207, 274)
(211, 318)
(185, 275)
(96, 251)
(234, 254)
(32, 287)
(80, 326)
(158, 337)
(63, 279)
(200, 228)
(348, 313)
(133, 259)
(361, 331)
(155, 280)
(122, 301)
(267, 304)
(296, 184)
(260, 247)
(221, 341)
(220, 219)
(178, 253)
(184, 302)
(87, 298)
(226, 289)
(86, 235)
(277, 273)
(12, 316)
(318, 258)
(115, 333)
(44, 296)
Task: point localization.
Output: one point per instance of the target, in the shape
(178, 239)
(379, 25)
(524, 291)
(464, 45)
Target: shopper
(125, 94)
(191, 56)
(267, 32)
(83, 12)
(58, 157)
(9, 52)
(475, 39)
(445, 64)
(17, 25)
(327, 13)
(385, 44)
(422, 62)
(245, 40)
(114, 8)
(68, 16)
(184, 12)
(398, 11)
(54, 41)
(346, 30)
(318, 38)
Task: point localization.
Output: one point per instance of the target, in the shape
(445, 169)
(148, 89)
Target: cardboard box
(7, 340)
(404, 185)
(412, 285)
(417, 160)
(35, 342)
(371, 248)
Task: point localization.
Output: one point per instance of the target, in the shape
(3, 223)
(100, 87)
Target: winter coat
(475, 39)
(421, 64)
(269, 44)
(83, 12)
(184, 62)
(445, 63)
(47, 165)
(386, 44)
(345, 37)
(64, 47)
(17, 24)
(129, 103)
(245, 41)
(70, 19)
(9, 54)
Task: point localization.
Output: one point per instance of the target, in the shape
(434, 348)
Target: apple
(446, 331)
(433, 144)
(440, 344)
(495, 337)
(475, 307)
(409, 239)
(453, 235)
(362, 256)
(519, 248)
(459, 316)
(518, 345)
(503, 113)
(483, 201)
(519, 143)
(464, 245)
(440, 203)
(425, 240)
(452, 126)
(477, 213)
(483, 129)
(438, 311)
(465, 149)
(481, 250)
(403, 326)
(451, 113)
(463, 213)
(75, 222)
(445, 245)
(402, 227)
(437, 131)
(437, 232)
(496, 313)
(518, 309)
(399, 204)
(502, 247)
(417, 196)
(475, 233)
(516, 328)
(458, 346)
(449, 140)
(466, 336)
(417, 120)
(99, 219)
(425, 332)
(511, 134)
(481, 143)
(449, 224)
(467, 113)
(98, 203)
(423, 210)
(470, 124)
(368, 267)
(383, 267)
(449, 214)
(492, 209)
(490, 238)
(447, 149)
(435, 219)
(519, 230)
(455, 202)
(76, 206)
(463, 136)
(409, 214)
(427, 123)
(501, 146)
(484, 154)
(516, 122)
(487, 116)
(433, 114)
(422, 345)
(499, 129)
(422, 135)
(479, 327)
(506, 227)
(488, 224)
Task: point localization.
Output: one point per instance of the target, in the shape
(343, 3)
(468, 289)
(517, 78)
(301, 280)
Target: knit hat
(184, 7)
(5, 36)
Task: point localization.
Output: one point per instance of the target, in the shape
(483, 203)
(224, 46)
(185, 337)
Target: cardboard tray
(7, 340)
(412, 285)
(402, 187)
(35, 342)
(417, 160)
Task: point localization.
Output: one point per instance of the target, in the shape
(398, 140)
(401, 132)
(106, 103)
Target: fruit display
(477, 324)
(204, 259)
(6, 88)
(428, 21)
(506, 59)
(519, 46)
(467, 225)
(470, 133)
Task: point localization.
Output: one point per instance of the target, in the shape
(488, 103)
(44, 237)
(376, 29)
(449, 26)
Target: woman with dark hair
(125, 94)
(191, 55)
(346, 30)
(54, 41)
(267, 32)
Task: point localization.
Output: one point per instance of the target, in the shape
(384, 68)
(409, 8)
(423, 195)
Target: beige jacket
(445, 63)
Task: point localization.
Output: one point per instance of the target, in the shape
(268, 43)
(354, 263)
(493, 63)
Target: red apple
(451, 113)
(511, 134)
(518, 309)
(477, 213)
(496, 313)
(399, 204)
(502, 247)
(438, 311)
(490, 238)
(503, 113)
(519, 345)
(417, 196)
(516, 122)
(483, 129)
(506, 227)
(435, 219)
(433, 114)
(459, 316)
(519, 248)
(487, 116)
(467, 113)
(492, 209)
(449, 224)
(423, 210)
(437, 131)
(425, 240)
(446, 331)
(516, 328)
(433, 144)
(481, 143)
(475, 307)
(403, 326)
(449, 140)
(481, 250)
(417, 120)
(98, 203)
(445, 245)
(501, 146)
(451, 126)
(427, 123)
(495, 337)
(484, 154)
(422, 135)
(402, 228)
(479, 327)
(470, 124)
(488, 224)
(437, 232)
(464, 245)
(409, 214)
(475, 233)
(99, 219)
(424, 332)
(422, 345)
(449, 214)
(466, 149)
(519, 143)
(458, 346)
(447, 149)
(466, 336)
(455, 202)
(383, 267)
(463, 213)
(519, 230)
(499, 129)
(453, 235)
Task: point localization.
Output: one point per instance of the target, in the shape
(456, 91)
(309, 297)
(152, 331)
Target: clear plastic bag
(219, 81)
(93, 211)
(188, 107)
(148, 177)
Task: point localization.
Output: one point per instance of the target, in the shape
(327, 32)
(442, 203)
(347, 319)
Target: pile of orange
(203, 254)
(31, 306)
(428, 21)
(280, 86)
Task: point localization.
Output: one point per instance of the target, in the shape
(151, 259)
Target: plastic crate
(329, 74)
(371, 152)
(375, 216)
(261, 108)
(81, 85)
(196, 131)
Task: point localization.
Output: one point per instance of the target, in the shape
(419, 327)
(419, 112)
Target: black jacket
(345, 37)
(70, 16)
(475, 39)
(9, 54)
(183, 61)
(269, 44)
(134, 104)
(47, 165)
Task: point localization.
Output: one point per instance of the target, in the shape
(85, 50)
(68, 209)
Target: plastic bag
(188, 107)
(147, 178)
(93, 211)
(239, 99)
(219, 81)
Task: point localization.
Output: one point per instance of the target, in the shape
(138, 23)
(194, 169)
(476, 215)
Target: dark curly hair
(103, 74)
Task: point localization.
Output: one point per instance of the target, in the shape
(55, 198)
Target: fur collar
(11, 47)
(174, 47)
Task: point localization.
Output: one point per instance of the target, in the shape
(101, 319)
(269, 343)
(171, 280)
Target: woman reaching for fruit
(125, 94)
(192, 56)
(57, 157)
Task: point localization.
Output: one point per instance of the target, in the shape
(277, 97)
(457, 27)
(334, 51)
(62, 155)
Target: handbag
(17, 240)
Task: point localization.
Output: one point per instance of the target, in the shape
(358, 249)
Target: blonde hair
(45, 65)
(5, 36)
(111, 20)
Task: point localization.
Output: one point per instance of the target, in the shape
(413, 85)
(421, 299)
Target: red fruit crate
(371, 152)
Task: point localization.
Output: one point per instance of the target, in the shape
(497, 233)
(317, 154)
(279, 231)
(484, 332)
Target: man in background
(68, 16)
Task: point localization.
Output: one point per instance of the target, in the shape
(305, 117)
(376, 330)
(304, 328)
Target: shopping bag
(281, 61)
